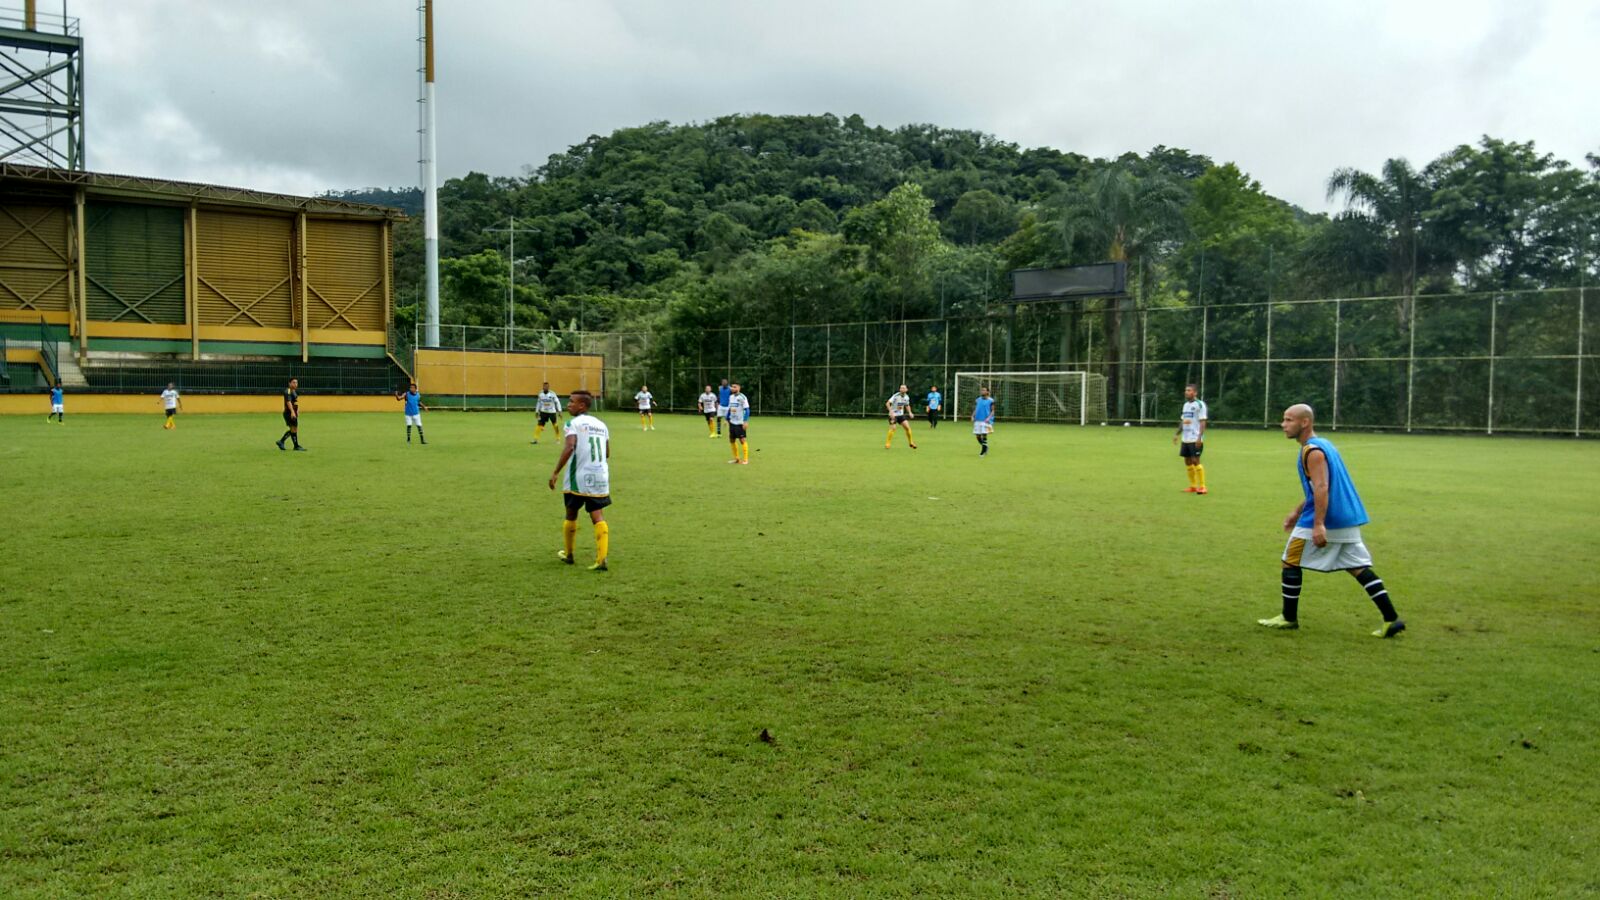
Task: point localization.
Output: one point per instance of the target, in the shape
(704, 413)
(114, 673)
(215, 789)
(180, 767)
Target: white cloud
(302, 95)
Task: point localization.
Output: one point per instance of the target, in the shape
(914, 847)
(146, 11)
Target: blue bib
(1344, 504)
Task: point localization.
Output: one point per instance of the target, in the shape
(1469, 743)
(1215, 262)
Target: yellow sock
(734, 446)
(537, 430)
(602, 540)
(890, 439)
(1200, 475)
(711, 427)
(746, 446)
(1189, 471)
(569, 534)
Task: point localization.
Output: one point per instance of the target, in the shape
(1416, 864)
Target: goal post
(1039, 396)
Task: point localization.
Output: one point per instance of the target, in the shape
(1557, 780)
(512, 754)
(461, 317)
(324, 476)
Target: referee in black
(291, 414)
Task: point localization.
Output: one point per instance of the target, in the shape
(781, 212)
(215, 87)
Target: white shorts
(414, 420)
(981, 427)
(1344, 550)
(722, 412)
(58, 407)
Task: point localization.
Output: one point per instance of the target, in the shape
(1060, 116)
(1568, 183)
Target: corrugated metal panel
(135, 263)
(34, 265)
(344, 275)
(243, 269)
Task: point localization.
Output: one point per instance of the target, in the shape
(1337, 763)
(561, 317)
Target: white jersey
(169, 398)
(738, 409)
(1194, 412)
(643, 398)
(549, 402)
(708, 403)
(588, 470)
(900, 404)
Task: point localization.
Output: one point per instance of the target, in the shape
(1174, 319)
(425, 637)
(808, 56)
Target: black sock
(294, 437)
(1291, 592)
(284, 438)
(1375, 589)
(419, 435)
(408, 434)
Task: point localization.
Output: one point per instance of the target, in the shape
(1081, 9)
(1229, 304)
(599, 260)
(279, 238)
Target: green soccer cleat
(562, 555)
(1390, 629)
(599, 567)
(1278, 622)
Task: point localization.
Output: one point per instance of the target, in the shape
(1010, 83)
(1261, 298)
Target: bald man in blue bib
(1325, 529)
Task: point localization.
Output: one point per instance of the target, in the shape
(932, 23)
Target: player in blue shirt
(935, 404)
(983, 420)
(58, 406)
(414, 408)
(723, 393)
(1325, 529)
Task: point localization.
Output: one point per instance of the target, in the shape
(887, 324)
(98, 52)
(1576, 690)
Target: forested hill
(757, 218)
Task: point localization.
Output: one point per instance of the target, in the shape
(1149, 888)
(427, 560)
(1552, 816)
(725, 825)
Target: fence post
(792, 334)
(944, 378)
(1266, 389)
(1494, 309)
(1144, 357)
(1411, 360)
(1205, 325)
(827, 371)
(863, 369)
(1338, 318)
(1577, 407)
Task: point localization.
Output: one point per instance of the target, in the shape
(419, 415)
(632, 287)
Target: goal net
(1078, 397)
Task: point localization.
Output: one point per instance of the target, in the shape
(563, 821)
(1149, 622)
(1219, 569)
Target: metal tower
(41, 89)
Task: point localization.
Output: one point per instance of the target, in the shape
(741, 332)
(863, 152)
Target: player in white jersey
(171, 403)
(708, 408)
(900, 414)
(738, 418)
(584, 473)
(549, 409)
(645, 399)
(1192, 432)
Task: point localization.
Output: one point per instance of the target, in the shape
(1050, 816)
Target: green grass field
(226, 670)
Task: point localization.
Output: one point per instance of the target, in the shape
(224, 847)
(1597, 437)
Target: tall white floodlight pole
(430, 177)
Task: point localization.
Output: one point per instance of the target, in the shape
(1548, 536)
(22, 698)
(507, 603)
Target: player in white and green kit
(900, 415)
(584, 473)
(646, 401)
(708, 408)
(549, 410)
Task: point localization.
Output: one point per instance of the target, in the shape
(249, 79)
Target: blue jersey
(55, 395)
(935, 400)
(983, 409)
(413, 403)
(1344, 504)
(723, 393)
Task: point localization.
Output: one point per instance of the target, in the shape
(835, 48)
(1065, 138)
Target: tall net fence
(1487, 363)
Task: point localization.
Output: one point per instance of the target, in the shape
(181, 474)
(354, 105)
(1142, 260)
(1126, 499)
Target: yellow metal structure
(36, 263)
(492, 373)
(243, 265)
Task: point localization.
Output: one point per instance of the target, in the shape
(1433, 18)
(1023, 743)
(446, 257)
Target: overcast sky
(303, 96)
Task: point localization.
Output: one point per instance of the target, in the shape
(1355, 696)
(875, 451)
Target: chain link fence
(1504, 362)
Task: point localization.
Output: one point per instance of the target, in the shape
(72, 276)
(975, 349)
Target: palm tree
(1129, 215)
(1396, 201)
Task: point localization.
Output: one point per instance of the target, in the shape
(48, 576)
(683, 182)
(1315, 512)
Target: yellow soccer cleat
(1278, 622)
(1390, 629)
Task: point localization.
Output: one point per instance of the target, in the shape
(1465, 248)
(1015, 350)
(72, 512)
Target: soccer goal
(1034, 396)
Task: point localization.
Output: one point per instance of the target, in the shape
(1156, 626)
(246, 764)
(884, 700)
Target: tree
(980, 217)
(1396, 201)
(1512, 216)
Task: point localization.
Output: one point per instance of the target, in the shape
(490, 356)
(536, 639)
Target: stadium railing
(327, 376)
